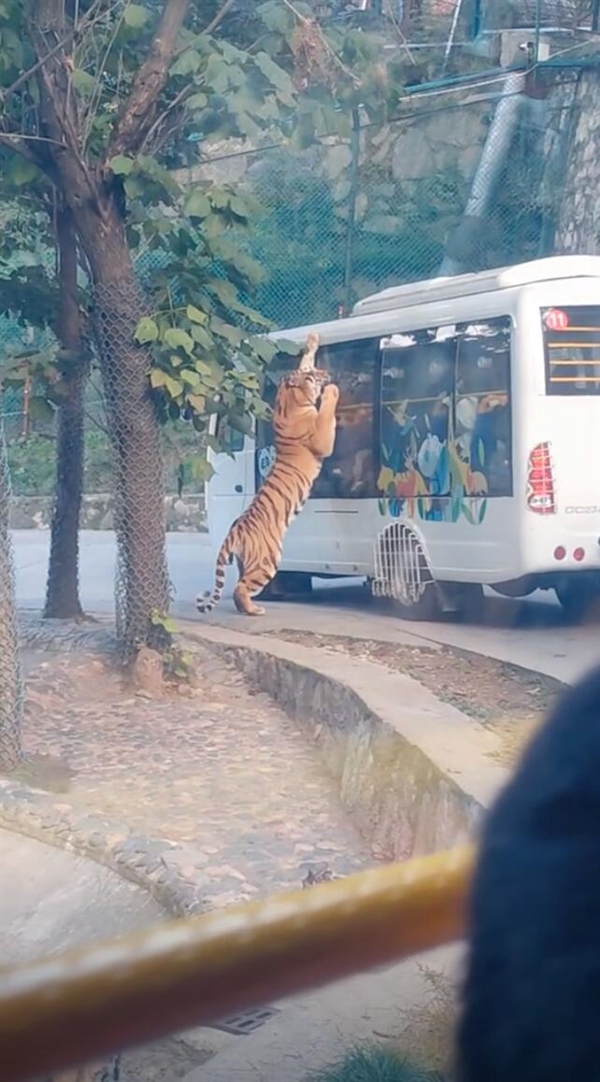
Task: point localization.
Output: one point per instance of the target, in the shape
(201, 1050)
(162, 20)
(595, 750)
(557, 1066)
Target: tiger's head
(302, 387)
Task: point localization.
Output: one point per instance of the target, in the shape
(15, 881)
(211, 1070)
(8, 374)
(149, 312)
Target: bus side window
(482, 403)
(350, 472)
(417, 387)
(231, 440)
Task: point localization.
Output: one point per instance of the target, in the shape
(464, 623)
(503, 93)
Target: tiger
(304, 425)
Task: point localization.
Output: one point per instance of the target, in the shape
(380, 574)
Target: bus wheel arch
(403, 573)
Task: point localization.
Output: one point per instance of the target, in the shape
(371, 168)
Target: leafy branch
(137, 115)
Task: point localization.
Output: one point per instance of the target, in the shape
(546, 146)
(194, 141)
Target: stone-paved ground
(222, 771)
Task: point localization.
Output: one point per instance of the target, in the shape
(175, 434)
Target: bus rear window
(572, 349)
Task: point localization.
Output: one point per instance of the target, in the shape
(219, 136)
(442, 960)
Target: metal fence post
(349, 254)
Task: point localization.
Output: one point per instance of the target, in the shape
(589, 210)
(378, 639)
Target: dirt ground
(220, 769)
(510, 701)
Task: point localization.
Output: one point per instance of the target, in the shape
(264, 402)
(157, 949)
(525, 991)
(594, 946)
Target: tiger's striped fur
(304, 425)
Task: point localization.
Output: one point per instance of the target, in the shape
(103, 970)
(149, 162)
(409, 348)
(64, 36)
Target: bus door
(334, 533)
(231, 486)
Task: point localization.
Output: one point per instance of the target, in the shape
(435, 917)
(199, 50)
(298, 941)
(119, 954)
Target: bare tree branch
(57, 107)
(71, 35)
(16, 142)
(221, 13)
(179, 99)
(31, 148)
(137, 115)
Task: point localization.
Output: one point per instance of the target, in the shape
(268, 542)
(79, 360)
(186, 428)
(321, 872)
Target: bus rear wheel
(286, 584)
(425, 607)
(470, 602)
(576, 597)
(402, 573)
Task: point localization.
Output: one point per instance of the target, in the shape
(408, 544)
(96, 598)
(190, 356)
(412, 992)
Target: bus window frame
(375, 448)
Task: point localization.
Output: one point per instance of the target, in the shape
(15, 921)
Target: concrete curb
(414, 772)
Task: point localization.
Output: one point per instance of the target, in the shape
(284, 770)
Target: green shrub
(374, 1064)
(32, 464)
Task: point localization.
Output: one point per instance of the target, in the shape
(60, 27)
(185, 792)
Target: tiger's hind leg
(252, 580)
(243, 600)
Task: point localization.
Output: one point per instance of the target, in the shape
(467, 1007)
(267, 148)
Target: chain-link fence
(11, 687)
(142, 584)
(457, 183)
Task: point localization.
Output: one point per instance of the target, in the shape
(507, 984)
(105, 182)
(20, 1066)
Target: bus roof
(440, 289)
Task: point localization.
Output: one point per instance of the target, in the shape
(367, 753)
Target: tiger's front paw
(330, 393)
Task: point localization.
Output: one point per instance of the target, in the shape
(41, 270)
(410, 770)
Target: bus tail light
(540, 481)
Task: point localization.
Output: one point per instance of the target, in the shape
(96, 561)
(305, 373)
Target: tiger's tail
(206, 602)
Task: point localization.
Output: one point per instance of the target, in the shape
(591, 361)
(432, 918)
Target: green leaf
(197, 205)
(189, 376)
(276, 75)
(204, 367)
(202, 337)
(160, 378)
(289, 348)
(264, 347)
(220, 198)
(197, 402)
(135, 16)
(121, 165)
(186, 64)
(238, 207)
(195, 315)
(20, 171)
(175, 337)
(173, 386)
(83, 81)
(146, 331)
(225, 330)
(203, 470)
(275, 16)
(134, 187)
(196, 102)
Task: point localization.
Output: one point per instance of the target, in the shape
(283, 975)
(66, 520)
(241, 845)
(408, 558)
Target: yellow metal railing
(88, 1003)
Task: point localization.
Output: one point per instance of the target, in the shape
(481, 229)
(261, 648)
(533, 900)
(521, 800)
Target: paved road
(534, 633)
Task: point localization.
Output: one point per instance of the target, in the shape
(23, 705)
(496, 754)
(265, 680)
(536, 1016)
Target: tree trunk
(143, 584)
(62, 590)
(11, 688)
(578, 229)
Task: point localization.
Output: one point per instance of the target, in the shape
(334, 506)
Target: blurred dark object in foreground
(531, 1009)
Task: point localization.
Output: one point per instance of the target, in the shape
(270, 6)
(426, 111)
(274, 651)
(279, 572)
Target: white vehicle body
(468, 444)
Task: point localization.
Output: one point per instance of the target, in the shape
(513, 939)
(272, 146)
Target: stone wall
(185, 514)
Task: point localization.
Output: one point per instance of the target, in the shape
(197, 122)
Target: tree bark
(62, 590)
(578, 228)
(135, 431)
(11, 687)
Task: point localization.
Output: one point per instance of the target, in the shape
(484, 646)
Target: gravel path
(222, 771)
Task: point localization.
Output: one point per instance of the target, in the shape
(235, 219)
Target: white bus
(468, 443)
